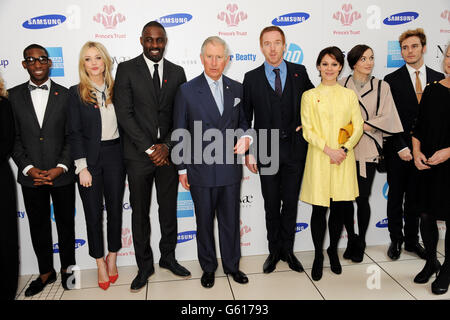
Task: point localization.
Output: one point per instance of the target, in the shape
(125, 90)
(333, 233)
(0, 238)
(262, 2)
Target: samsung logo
(186, 236)
(300, 227)
(400, 18)
(382, 224)
(78, 244)
(43, 22)
(173, 20)
(290, 19)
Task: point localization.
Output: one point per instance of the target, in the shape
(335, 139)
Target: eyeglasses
(32, 60)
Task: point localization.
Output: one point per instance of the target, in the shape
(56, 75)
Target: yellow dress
(324, 111)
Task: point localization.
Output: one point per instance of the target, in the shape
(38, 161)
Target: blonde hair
(86, 90)
(3, 91)
(419, 32)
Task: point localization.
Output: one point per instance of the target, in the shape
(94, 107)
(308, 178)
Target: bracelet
(345, 149)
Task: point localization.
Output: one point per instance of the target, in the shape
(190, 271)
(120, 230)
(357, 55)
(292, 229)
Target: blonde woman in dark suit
(97, 151)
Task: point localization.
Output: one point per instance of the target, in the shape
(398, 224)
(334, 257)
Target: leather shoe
(440, 285)
(37, 285)
(141, 280)
(418, 249)
(207, 279)
(427, 271)
(175, 267)
(239, 277)
(395, 248)
(293, 262)
(271, 262)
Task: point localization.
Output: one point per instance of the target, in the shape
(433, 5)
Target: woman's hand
(439, 157)
(420, 161)
(336, 155)
(85, 178)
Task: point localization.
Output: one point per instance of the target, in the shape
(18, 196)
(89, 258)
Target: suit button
(41, 139)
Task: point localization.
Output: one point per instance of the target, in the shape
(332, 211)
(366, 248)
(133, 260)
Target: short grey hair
(215, 40)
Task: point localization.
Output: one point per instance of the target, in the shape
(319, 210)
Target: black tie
(31, 87)
(156, 81)
(278, 88)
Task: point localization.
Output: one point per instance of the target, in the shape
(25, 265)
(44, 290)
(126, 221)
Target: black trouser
(140, 179)
(37, 205)
(108, 180)
(338, 209)
(362, 201)
(282, 187)
(224, 200)
(9, 241)
(402, 198)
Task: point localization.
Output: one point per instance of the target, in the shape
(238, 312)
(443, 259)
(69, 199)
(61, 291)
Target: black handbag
(381, 165)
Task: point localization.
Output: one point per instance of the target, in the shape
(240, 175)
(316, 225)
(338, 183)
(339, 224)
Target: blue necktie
(278, 88)
(218, 96)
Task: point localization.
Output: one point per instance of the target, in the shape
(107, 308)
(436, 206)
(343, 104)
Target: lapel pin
(295, 75)
(56, 93)
(95, 106)
(165, 80)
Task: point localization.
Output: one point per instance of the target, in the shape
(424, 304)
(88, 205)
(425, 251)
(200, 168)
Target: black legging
(338, 210)
(430, 237)
(363, 207)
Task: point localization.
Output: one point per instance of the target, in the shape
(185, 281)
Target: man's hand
(160, 155)
(250, 163)
(38, 176)
(439, 157)
(405, 155)
(420, 161)
(184, 181)
(242, 145)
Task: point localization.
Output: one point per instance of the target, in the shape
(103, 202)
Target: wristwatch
(345, 149)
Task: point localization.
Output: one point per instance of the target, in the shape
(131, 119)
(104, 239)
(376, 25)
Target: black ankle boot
(334, 261)
(432, 266)
(317, 268)
(440, 285)
(358, 251)
(350, 247)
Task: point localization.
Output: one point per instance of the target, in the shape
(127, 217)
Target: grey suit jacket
(45, 147)
(139, 114)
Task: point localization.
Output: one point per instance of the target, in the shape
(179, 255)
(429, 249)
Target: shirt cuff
(180, 172)
(402, 150)
(60, 165)
(80, 164)
(24, 171)
(250, 137)
(149, 151)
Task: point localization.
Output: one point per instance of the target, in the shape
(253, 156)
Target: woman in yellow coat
(330, 172)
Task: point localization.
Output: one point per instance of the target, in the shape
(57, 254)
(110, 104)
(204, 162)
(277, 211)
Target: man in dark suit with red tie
(272, 95)
(144, 92)
(45, 166)
(407, 84)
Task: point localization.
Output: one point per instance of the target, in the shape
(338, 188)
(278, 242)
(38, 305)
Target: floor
(376, 278)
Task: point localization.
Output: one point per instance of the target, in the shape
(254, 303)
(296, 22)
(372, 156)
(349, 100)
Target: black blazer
(45, 147)
(257, 102)
(405, 99)
(138, 112)
(85, 128)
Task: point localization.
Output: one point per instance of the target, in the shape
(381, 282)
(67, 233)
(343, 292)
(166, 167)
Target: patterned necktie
(278, 89)
(156, 81)
(418, 87)
(218, 96)
(31, 87)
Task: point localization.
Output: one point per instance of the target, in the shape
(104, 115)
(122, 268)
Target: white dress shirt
(39, 97)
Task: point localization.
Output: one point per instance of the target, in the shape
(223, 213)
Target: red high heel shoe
(112, 278)
(104, 285)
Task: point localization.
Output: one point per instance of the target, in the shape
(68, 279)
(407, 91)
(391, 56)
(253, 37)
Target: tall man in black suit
(211, 103)
(272, 94)
(45, 167)
(144, 92)
(407, 84)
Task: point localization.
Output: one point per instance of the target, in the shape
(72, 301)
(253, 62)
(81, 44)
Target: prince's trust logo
(232, 17)
(109, 19)
(347, 16)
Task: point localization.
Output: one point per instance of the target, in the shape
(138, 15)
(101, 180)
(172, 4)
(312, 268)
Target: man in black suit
(45, 167)
(144, 92)
(407, 84)
(272, 94)
(212, 102)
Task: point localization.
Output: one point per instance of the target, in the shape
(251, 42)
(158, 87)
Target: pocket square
(236, 101)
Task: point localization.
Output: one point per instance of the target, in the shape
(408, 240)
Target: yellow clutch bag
(345, 133)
